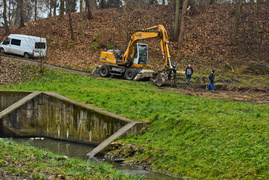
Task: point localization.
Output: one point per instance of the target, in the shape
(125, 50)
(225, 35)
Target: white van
(24, 45)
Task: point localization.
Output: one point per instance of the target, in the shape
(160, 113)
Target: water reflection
(71, 149)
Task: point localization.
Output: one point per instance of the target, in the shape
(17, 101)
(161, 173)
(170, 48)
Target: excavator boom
(151, 32)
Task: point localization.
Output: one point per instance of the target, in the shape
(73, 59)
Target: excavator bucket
(162, 78)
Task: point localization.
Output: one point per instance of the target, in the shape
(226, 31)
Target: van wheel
(26, 55)
(2, 51)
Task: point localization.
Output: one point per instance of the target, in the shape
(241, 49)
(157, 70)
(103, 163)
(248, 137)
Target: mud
(259, 95)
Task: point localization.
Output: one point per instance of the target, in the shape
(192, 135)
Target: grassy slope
(18, 161)
(189, 136)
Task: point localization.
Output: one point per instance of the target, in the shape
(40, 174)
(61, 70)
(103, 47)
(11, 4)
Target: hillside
(206, 41)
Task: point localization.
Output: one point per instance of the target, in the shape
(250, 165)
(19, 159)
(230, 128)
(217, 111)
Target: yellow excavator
(129, 63)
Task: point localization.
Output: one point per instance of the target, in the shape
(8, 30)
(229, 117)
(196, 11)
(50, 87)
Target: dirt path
(51, 66)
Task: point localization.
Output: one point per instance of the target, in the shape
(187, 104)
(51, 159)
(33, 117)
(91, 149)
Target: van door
(15, 46)
(40, 49)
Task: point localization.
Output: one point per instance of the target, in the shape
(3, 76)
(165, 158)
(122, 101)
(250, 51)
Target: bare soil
(248, 94)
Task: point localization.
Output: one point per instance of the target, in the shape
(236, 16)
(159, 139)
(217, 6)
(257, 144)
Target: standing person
(211, 79)
(188, 72)
(174, 71)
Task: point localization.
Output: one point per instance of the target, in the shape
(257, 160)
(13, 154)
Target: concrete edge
(19, 103)
(106, 142)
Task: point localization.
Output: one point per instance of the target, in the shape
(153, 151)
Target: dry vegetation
(206, 41)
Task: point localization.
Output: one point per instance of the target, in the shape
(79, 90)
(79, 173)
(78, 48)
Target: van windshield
(40, 45)
(6, 41)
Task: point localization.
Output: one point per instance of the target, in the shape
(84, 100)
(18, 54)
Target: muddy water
(80, 150)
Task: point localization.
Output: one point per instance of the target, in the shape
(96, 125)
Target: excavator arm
(147, 33)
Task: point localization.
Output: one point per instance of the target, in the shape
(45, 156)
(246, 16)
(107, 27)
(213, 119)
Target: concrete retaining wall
(55, 116)
(7, 98)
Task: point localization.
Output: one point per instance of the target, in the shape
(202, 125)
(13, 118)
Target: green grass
(25, 161)
(189, 136)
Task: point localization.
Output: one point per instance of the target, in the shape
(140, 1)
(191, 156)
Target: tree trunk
(35, 10)
(163, 2)
(95, 4)
(126, 4)
(182, 24)
(81, 31)
(237, 22)
(175, 35)
(54, 7)
(5, 18)
(172, 4)
(88, 8)
(62, 7)
(9, 12)
(50, 7)
(211, 1)
(70, 20)
(21, 15)
(170, 11)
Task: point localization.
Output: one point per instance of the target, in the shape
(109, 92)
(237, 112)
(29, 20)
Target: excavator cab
(140, 54)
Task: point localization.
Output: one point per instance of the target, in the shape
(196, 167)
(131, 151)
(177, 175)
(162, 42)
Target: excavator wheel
(130, 74)
(104, 71)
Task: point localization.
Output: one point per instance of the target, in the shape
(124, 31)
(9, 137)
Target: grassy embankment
(19, 161)
(189, 136)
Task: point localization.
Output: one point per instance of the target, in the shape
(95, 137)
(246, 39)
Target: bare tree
(211, 2)
(237, 22)
(88, 8)
(54, 7)
(182, 24)
(172, 4)
(35, 10)
(50, 2)
(81, 31)
(61, 7)
(175, 35)
(93, 4)
(21, 14)
(126, 4)
(5, 17)
(70, 20)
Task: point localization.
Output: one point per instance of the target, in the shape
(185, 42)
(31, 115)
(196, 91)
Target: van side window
(16, 42)
(6, 41)
(40, 45)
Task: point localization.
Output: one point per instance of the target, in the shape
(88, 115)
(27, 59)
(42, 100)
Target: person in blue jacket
(211, 79)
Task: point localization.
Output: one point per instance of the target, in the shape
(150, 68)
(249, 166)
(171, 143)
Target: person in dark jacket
(188, 72)
(174, 71)
(211, 79)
